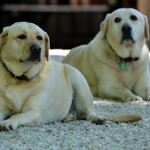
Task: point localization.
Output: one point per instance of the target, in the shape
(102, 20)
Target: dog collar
(22, 77)
(128, 59)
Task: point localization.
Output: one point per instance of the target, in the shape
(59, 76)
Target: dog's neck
(123, 60)
(22, 77)
(22, 71)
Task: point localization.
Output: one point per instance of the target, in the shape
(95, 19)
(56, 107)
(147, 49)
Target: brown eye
(117, 19)
(133, 17)
(22, 37)
(39, 38)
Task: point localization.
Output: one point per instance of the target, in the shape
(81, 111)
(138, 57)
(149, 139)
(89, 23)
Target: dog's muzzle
(126, 33)
(35, 53)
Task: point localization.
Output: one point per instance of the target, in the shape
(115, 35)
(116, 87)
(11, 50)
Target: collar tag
(123, 66)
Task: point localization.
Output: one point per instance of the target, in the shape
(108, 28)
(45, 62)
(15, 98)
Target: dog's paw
(8, 125)
(69, 118)
(134, 98)
(97, 119)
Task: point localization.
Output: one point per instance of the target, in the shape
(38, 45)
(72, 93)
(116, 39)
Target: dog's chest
(129, 76)
(15, 97)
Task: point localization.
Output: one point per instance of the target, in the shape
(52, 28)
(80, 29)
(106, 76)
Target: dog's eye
(22, 36)
(39, 38)
(117, 19)
(133, 17)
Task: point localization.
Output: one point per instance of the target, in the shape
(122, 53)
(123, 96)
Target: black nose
(35, 53)
(126, 28)
(35, 47)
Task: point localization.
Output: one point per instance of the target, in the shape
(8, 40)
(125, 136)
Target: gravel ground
(82, 135)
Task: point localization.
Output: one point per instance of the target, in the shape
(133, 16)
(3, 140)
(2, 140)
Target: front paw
(134, 98)
(8, 125)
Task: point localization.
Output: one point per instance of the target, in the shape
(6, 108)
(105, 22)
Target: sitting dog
(36, 91)
(116, 62)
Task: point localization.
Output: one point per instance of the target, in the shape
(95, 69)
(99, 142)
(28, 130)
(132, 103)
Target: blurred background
(69, 23)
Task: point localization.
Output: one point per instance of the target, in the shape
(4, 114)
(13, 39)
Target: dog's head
(23, 44)
(25, 41)
(125, 28)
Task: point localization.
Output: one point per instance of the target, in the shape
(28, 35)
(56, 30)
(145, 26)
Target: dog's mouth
(127, 38)
(32, 58)
(34, 55)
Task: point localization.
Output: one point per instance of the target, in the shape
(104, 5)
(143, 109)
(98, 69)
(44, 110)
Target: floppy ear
(47, 46)
(104, 25)
(146, 27)
(3, 36)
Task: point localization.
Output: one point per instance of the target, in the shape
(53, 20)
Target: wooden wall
(144, 7)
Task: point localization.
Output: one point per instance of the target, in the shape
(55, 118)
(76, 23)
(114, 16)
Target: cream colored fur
(51, 87)
(100, 60)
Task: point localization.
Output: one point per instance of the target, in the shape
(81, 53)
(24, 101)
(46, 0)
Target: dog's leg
(118, 93)
(84, 106)
(28, 118)
(143, 91)
(83, 100)
(142, 86)
(5, 112)
(2, 117)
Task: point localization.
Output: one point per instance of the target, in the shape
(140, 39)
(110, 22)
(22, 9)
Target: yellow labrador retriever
(116, 62)
(36, 91)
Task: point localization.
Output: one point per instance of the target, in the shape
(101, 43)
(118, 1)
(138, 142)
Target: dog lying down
(36, 91)
(116, 62)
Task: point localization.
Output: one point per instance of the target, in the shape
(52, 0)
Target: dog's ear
(104, 25)
(47, 46)
(3, 36)
(146, 27)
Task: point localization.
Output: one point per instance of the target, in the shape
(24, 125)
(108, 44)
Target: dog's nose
(126, 28)
(35, 48)
(35, 53)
